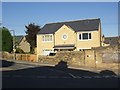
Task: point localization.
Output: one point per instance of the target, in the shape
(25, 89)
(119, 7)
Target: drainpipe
(76, 40)
(100, 35)
(54, 39)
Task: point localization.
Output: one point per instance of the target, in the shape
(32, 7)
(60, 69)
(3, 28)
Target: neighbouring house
(22, 43)
(104, 44)
(71, 36)
(112, 40)
(18, 39)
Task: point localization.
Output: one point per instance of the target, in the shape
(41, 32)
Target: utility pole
(14, 49)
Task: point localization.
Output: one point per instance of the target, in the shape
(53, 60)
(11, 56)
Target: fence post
(21, 56)
(26, 57)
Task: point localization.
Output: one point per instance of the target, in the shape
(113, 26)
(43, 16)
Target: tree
(7, 40)
(31, 32)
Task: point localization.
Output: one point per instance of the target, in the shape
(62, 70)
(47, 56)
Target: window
(43, 38)
(47, 38)
(80, 36)
(84, 36)
(50, 38)
(89, 35)
(64, 36)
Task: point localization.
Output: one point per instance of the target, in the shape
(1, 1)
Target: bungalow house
(71, 36)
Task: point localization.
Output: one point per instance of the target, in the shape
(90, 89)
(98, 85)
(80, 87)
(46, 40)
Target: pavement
(30, 63)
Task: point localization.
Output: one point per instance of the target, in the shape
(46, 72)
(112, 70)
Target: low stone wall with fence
(26, 57)
(23, 57)
(103, 57)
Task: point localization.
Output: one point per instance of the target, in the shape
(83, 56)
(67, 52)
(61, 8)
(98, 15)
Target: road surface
(30, 76)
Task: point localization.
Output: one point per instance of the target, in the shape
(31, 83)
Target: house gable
(64, 27)
(24, 45)
(64, 35)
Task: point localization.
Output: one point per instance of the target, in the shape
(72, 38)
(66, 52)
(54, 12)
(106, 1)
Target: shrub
(18, 50)
(6, 40)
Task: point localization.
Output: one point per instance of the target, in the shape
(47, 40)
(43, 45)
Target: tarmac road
(39, 82)
(30, 76)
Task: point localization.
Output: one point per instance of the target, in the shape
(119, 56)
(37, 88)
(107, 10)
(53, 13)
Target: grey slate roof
(112, 40)
(18, 38)
(79, 25)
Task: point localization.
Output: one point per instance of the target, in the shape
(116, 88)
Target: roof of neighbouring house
(112, 40)
(79, 25)
(18, 38)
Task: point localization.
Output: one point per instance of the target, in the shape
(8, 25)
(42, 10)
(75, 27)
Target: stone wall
(71, 57)
(96, 57)
(108, 54)
(91, 58)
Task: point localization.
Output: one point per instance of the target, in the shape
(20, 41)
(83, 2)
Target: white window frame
(44, 39)
(63, 35)
(82, 36)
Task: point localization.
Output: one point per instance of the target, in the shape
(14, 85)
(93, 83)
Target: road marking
(115, 76)
(72, 75)
(97, 77)
(60, 76)
(107, 76)
(87, 77)
(78, 77)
